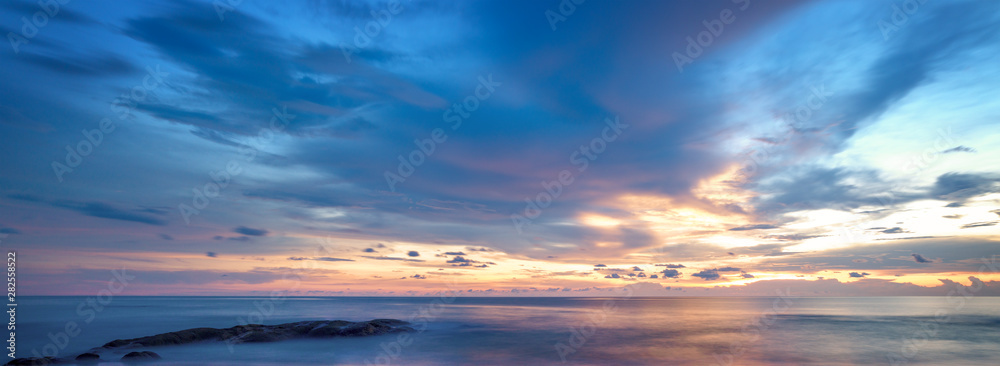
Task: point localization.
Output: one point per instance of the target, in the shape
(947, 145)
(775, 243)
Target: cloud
(166, 237)
(211, 254)
(82, 65)
(864, 287)
(858, 275)
(600, 266)
(217, 137)
(230, 74)
(814, 187)
(961, 255)
(728, 269)
(9, 230)
(353, 120)
(250, 231)
(920, 259)
(959, 148)
(955, 186)
(413, 253)
(753, 227)
(671, 265)
(107, 211)
(332, 259)
(419, 277)
(391, 259)
(613, 275)
(150, 282)
(817, 187)
(707, 275)
(792, 237)
(980, 224)
(460, 261)
(181, 115)
(323, 259)
(895, 230)
(671, 273)
(26, 197)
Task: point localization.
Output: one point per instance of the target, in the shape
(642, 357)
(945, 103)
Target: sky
(501, 148)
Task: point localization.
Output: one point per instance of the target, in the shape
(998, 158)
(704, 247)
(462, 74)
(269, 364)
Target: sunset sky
(537, 148)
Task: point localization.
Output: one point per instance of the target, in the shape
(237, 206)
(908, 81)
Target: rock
(140, 356)
(88, 357)
(33, 361)
(253, 333)
(374, 327)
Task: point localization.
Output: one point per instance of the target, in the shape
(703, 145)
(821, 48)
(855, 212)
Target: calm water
(538, 331)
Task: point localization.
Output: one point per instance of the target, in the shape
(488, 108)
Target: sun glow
(599, 220)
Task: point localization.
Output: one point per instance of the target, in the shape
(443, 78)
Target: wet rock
(141, 356)
(253, 333)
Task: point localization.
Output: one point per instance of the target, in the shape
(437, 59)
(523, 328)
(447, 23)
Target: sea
(457, 330)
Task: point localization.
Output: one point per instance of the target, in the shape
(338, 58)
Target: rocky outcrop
(267, 333)
(141, 356)
(238, 334)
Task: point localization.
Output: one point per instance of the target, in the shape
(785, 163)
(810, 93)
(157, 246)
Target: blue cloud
(250, 231)
(707, 275)
(108, 211)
